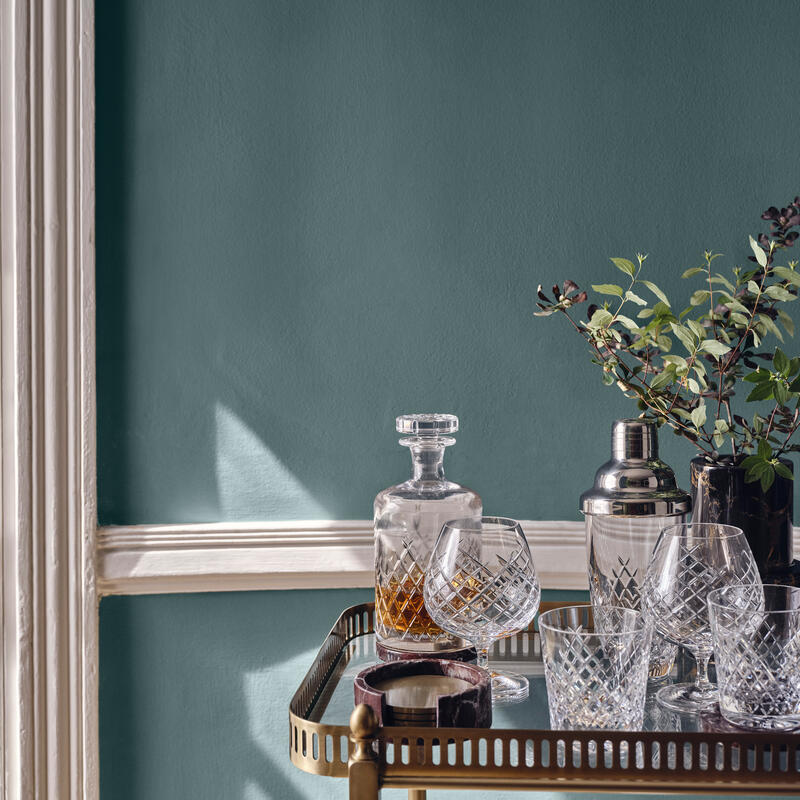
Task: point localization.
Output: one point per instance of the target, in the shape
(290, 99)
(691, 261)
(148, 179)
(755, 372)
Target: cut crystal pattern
(596, 672)
(758, 661)
(479, 603)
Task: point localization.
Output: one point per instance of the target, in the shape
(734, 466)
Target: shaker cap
(427, 424)
(635, 482)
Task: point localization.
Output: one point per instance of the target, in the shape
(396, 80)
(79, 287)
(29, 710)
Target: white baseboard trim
(319, 554)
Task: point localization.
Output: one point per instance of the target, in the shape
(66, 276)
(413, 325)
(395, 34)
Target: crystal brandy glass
(688, 562)
(481, 585)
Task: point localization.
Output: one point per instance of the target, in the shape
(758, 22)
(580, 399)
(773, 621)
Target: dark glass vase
(720, 494)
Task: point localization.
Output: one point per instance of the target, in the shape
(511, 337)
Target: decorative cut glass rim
(749, 609)
(721, 530)
(476, 524)
(642, 622)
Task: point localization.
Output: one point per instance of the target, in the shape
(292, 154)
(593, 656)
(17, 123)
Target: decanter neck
(428, 461)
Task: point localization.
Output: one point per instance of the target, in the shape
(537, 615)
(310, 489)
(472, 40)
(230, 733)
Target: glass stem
(702, 682)
(483, 657)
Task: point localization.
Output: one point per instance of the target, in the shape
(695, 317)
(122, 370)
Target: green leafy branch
(682, 368)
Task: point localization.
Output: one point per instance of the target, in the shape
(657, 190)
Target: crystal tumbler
(757, 650)
(595, 667)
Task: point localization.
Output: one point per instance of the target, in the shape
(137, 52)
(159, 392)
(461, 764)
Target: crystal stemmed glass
(481, 585)
(688, 562)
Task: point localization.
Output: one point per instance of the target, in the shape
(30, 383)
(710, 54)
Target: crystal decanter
(408, 518)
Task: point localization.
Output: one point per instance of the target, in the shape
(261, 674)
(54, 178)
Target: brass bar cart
(328, 737)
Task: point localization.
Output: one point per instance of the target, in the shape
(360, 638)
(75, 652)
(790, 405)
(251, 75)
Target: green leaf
(678, 361)
(770, 326)
(781, 362)
(735, 305)
(761, 392)
(699, 416)
(788, 275)
(758, 376)
(625, 265)
(634, 298)
(761, 256)
(764, 450)
(608, 288)
(779, 293)
(783, 471)
(686, 338)
(693, 385)
(645, 313)
(699, 297)
(664, 343)
(608, 378)
(767, 478)
(719, 440)
(600, 319)
(781, 392)
(753, 287)
(627, 322)
(697, 329)
(713, 347)
(739, 319)
(657, 292)
(721, 279)
(787, 322)
(752, 461)
(663, 379)
(692, 271)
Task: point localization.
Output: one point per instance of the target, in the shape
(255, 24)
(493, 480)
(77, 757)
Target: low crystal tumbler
(595, 667)
(757, 650)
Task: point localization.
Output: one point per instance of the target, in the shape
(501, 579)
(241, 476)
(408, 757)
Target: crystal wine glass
(688, 561)
(481, 585)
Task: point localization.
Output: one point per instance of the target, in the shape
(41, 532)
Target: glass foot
(687, 697)
(508, 687)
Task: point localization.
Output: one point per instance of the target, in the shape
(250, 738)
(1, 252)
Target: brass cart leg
(362, 767)
(416, 794)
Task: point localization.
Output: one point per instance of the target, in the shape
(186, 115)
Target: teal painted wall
(313, 216)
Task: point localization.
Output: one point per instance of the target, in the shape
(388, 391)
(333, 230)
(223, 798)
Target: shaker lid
(635, 482)
(427, 424)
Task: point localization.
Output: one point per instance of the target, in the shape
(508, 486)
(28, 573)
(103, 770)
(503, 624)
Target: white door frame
(49, 605)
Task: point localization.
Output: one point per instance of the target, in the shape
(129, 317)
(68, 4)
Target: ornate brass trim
(486, 759)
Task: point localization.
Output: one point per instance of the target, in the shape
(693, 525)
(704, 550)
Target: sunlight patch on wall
(254, 792)
(253, 483)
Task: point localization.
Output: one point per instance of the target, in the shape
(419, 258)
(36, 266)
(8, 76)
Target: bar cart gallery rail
(372, 757)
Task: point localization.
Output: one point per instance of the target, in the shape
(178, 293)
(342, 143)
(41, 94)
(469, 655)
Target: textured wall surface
(313, 216)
